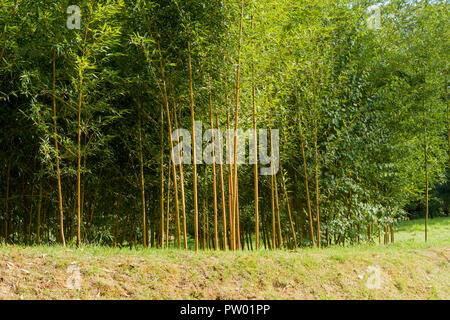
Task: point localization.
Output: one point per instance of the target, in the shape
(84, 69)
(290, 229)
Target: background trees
(87, 117)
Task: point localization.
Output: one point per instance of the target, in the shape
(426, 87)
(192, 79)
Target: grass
(407, 269)
(411, 233)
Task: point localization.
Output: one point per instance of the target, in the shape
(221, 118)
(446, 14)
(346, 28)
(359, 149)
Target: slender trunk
(230, 198)
(280, 238)
(207, 231)
(327, 234)
(448, 135)
(316, 176)
(24, 210)
(308, 199)
(80, 103)
(74, 215)
(45, 221)
(83, 189)
(79, 108)
(426, 185)
(204, 226)
(216, 238)
(174, 168)
(161, 177)
(379, 234)
(255, 150)
(222, 185)
(58, 172)
(236, 120)
(238, 226)
(194, 153)
(38, 222)
(316, 160)
(386, 233)
(289, 209)
(264, 233)
(30, 216)
(392, 232)
(274, 245)
(168, 208)
(116, 223)
(183, 201)
(8, 176)
(130, 235)
(142, 178)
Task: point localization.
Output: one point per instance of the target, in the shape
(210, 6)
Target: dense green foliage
(367, 106)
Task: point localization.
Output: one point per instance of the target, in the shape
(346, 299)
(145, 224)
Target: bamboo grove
(87, 117)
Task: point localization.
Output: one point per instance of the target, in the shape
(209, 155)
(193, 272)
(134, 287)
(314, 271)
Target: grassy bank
(408, 269)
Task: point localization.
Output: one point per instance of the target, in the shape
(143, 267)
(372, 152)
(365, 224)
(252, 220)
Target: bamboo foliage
(88, 119)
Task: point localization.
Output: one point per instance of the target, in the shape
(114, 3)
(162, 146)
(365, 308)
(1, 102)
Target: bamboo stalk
(236, 125)
(161, 177)
(79, 106)
(174, 168)
(168, 208)
(222, 189)
(255, 150)
(38, 231)
(8, 176)
(426, 177)
(305, 171)
(272, 192)
(183, 201)
(58, 172)
(280, 238)
(194, 153)
(216, 239)
(230, 198)
(142, 178)
(316, 176)
(289, 209)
